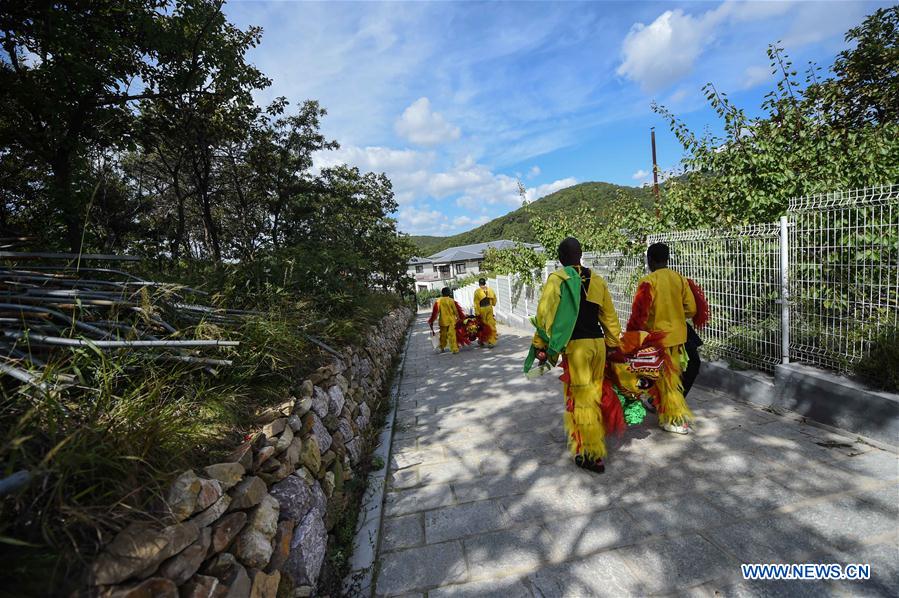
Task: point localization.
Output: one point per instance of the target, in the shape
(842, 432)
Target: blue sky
(457, 101)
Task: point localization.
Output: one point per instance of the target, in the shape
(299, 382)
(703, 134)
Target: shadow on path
(484, 501)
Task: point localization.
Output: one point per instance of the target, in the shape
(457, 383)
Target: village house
(440, 269)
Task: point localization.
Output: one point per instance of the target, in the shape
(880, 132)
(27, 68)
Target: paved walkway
(483, 500)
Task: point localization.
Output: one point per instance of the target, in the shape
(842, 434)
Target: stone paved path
(483, 501)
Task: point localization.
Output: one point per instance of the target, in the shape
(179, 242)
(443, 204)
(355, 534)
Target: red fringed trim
(656, 395)
(459, 311)
(461, 335)
(485, 330)
(702, 305)
(655, 340)
(640, 308)
(566, 376)
(433, 313)
(612, 413)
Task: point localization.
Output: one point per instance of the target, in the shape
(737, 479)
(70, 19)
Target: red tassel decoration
(484, 330)
(459, 312)
(461, 335)
(640, 308)
(702, 306)
(612, 413)
(656, 395)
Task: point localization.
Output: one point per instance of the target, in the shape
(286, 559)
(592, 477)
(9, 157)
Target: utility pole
(655, 171)
(655, 167)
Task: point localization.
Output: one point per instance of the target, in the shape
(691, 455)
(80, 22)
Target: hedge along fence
(818, 287)
(259, 520)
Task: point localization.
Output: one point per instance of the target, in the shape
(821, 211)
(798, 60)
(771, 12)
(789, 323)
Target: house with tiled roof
(440, 269)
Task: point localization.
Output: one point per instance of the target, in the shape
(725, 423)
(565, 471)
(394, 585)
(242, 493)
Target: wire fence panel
(844, 274)
(841, 256)
(621, 274)
(739, 271)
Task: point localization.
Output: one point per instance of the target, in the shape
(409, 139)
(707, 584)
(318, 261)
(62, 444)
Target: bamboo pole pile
(51, 303)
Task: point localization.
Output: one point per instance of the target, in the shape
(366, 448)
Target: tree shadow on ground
(484, 501)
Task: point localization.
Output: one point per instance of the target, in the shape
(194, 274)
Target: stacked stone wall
(259, 520)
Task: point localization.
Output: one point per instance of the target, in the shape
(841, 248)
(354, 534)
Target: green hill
(516, 226)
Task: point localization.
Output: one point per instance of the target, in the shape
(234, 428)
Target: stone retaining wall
(258, 520)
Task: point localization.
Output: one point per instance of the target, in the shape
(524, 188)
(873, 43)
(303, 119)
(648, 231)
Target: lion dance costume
(484, 302)
(472, 329)
(663, 303)
(577, 321)
(450, 316)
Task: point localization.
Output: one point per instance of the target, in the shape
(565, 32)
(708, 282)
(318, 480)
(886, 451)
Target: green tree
(74, 72)
(823, 135)
(520, 259)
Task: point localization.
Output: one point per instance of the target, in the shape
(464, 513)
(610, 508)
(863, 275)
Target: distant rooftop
(474, 251)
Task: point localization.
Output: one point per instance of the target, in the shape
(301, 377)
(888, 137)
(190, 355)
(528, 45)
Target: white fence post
(784, 289)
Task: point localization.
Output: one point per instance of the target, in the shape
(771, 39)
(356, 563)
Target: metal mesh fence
(621, 273)
(739, 271)
(842, 271)
(844, 274)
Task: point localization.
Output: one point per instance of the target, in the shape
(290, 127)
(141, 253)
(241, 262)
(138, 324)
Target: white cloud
(423, 221)
(468, 221)
(640, 175)
(414, 179)
(422, 126)
(534, 171)
(501, 189)
(466, 175)
(659, 54)
(755, 75)
(544, 190)
(374, 158)
(816, 22)
(679, 96)
(408, 170)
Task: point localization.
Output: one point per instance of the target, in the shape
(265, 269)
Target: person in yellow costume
(662, 304)
(577, 321)
(449, 314)
(484, 302)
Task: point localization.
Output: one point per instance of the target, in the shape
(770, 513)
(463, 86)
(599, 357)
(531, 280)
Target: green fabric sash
(563, 323)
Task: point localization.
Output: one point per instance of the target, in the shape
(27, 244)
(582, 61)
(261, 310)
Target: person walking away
(447, 313)
(693, 360)
(664, 301)
(577, 321)
(484, 302)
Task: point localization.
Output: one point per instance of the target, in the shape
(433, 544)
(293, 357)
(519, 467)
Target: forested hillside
(517, 225)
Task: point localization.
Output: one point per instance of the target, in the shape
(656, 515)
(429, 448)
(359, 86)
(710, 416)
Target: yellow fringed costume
(663, 303)
(583, 359)
(487, 296)
(447, 312)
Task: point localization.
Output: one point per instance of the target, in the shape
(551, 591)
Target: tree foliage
(519, 225)
(814, 136)
(519, 259)
(131, 126)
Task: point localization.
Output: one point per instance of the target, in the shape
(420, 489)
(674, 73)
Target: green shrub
(424, 297)
(880, 367)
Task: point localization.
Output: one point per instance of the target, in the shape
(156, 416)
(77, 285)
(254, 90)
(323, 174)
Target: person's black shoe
(596, 466)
